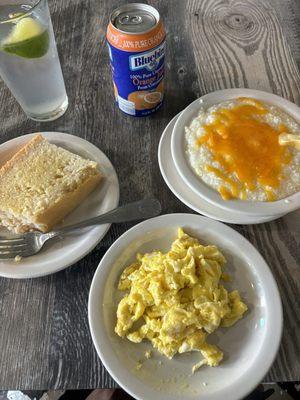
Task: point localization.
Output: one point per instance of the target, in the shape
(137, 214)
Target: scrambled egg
(175, 300)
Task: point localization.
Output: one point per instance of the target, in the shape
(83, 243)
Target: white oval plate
(185, 194)
(250, 346)
(59, 254)
(254, 208)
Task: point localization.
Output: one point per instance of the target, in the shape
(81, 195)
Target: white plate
(254, 208)
(59, 254)
(250, 346)
(185, 194)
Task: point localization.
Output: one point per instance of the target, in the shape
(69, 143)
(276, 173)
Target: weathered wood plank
(212, 44)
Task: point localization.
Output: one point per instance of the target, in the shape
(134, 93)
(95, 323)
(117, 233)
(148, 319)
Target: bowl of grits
(184, 307)
(231, 148)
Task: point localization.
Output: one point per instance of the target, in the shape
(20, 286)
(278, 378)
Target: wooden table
(212, 44)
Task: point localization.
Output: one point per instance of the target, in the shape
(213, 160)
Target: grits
(204, 163)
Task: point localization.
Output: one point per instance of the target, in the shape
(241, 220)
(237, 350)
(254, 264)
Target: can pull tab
(131, 20)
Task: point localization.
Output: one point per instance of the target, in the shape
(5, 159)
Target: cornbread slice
(41, 184)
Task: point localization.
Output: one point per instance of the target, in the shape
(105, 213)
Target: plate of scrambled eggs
(182, 306)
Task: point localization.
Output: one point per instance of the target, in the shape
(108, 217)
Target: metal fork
(32, 242)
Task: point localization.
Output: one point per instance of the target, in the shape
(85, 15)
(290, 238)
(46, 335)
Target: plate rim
(186, 202)
(262, 209)
(88, 249)
(102, 271)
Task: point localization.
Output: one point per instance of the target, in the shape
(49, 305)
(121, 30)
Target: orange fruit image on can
(136, 43)
(146, 99)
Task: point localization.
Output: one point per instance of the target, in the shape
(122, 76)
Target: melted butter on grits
(238, 150)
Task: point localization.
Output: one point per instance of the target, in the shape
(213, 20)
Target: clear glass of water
(29, 63)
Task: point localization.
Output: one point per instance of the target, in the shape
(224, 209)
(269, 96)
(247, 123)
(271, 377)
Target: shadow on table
(272, 391)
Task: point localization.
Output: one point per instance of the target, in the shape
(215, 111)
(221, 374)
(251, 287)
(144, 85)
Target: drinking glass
(29, 63)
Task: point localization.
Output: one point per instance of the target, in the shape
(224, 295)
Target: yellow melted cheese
(247, 146)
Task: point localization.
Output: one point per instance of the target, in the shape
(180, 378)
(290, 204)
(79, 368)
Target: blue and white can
(136, 43)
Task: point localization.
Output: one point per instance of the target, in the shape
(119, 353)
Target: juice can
(136, 43)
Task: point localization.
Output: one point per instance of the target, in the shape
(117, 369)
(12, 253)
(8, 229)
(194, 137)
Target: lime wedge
(27, 39)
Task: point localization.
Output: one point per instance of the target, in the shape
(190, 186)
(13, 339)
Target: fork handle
(138, 210)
